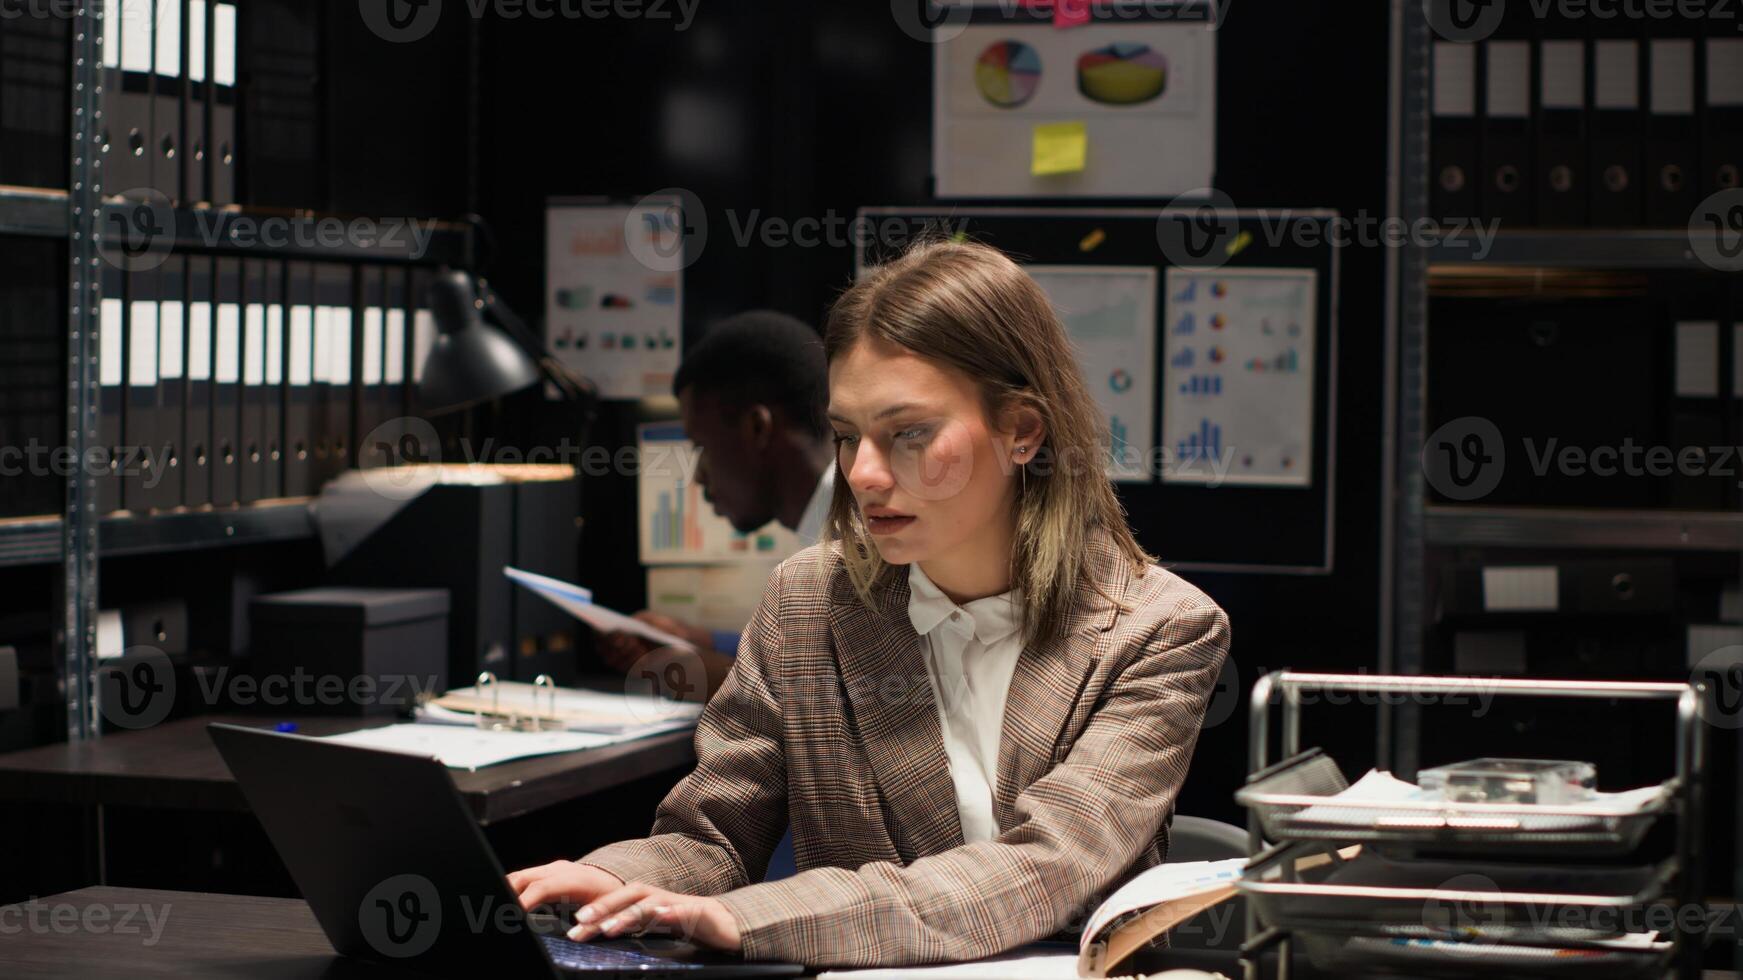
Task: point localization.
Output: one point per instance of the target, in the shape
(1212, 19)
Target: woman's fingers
(593, 916)
(518, 880)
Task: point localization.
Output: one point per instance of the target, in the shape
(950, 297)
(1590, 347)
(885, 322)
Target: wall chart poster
(1110, 314)
(1121, 108)
(614, 293)
(1237, 381)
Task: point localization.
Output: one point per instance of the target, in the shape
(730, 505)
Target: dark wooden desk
(105, 932)
(176, 766)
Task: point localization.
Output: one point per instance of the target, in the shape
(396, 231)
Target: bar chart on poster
(677, 525)
(1237, 401)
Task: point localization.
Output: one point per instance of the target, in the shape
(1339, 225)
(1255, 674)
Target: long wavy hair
(967, 306)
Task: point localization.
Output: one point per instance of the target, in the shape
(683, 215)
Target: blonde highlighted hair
(967, 306)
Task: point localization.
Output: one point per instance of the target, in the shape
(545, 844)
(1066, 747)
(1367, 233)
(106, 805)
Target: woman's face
(928, 470)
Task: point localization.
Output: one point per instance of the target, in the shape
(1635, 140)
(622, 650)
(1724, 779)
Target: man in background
(752, 395)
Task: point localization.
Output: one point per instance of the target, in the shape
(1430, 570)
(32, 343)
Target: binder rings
(166, 99)
(333, 359)
(1616, 130)
(131, 101)
(222, 114)
(226, 382)
(111, 377)
(251, 443)
(140, 421)
(272, 400)
(1560, 120)
(171, 388)
(299, 403)
(1722, 113)
(1504, 194)
(197, 479)
(1672, 143)
(1453, 131)
(196, 139)
(34, 103)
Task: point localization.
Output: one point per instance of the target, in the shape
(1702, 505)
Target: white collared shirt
(810, 529)
(971, 653)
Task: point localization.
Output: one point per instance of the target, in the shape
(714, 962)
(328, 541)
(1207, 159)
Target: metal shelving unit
(1573, 249)
(78, 537)
(1545, 527)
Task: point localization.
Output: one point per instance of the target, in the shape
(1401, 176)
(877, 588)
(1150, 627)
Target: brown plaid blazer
(827, 721)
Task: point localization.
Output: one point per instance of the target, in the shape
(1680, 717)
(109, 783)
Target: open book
(1156, 901)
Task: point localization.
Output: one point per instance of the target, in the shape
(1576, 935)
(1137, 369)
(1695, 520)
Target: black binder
(1722, 110)
(222, 114)
(251, 442)
(131, 103)
(196, 140)
(272, 401)
(1560, 119)
(1697, 416)
(227, 383)
(1672, 143)
(1453, 131)
(371, 344)
(112, 387)
(34, 103)
(166, 98)
(1616, 128)
(1505, 191)
(299, 402)
(334, 355)
(197, 480)
(140, 428)
(396, 367)
(171, 386)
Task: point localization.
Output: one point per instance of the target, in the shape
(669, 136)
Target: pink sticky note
(1070, 13)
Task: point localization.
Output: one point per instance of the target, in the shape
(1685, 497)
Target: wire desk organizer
(1371, 913)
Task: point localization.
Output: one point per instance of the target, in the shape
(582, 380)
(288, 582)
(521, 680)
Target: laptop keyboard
(571, 955)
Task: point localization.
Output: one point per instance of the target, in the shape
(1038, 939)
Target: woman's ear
(1027, 431)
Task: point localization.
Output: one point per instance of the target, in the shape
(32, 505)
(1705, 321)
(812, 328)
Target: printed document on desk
(472, 748)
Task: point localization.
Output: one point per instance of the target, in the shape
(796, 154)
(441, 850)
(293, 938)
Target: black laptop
(390, 859)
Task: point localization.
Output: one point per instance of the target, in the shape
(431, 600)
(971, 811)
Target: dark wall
(807, 109)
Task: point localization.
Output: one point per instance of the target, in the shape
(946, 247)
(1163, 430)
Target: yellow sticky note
(1060, 148)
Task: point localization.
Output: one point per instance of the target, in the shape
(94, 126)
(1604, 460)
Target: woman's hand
(562, 881)
(637, 908)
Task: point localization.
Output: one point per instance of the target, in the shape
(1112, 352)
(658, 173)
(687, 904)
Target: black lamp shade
(470, 361)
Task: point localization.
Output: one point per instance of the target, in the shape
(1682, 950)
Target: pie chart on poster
(1122, 74)
(1007, 73)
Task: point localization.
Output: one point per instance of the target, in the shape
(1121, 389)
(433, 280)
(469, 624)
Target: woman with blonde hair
(974, 703)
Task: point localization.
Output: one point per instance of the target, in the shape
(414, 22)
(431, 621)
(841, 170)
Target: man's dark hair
(761, 357)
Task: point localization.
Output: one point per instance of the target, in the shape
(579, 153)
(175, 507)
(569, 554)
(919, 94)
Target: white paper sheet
(471, 748)
(578, 602)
